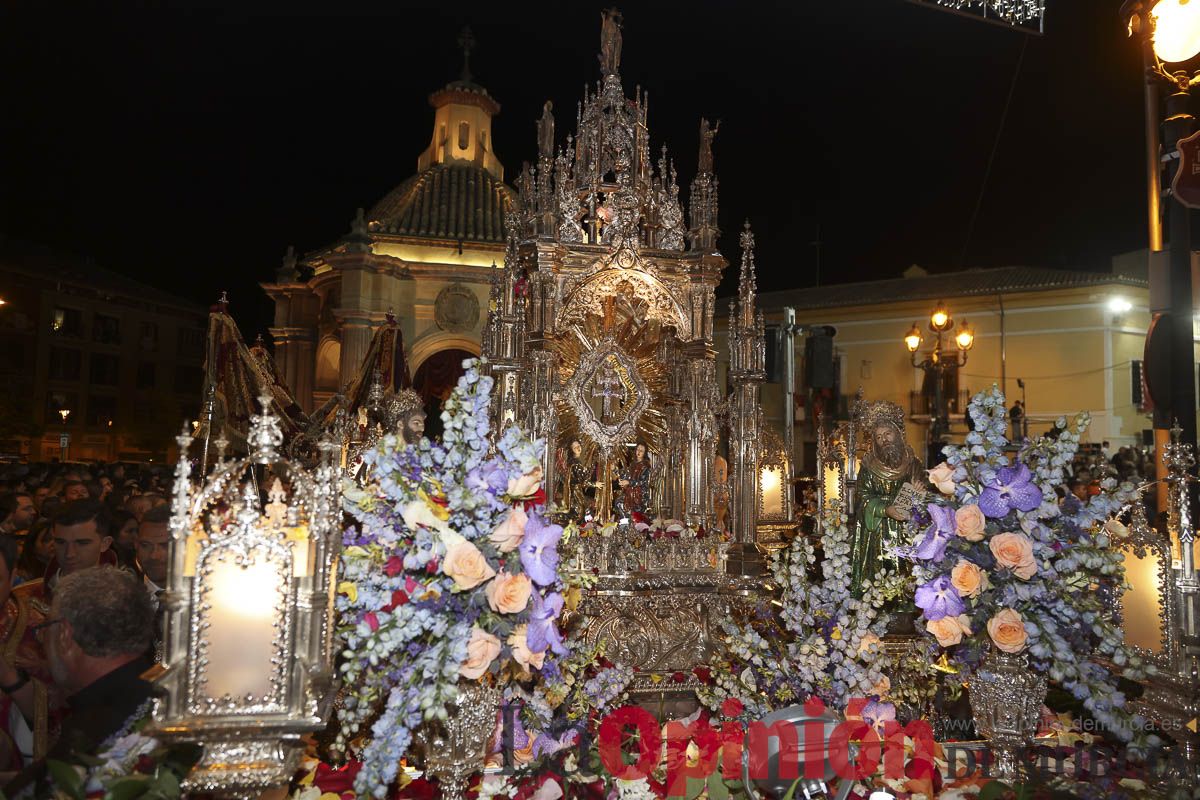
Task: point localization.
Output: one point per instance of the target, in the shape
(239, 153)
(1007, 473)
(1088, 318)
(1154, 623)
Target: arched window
(329, 363)
(464, 135)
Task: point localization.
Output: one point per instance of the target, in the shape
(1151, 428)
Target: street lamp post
(940, 360)
(1170, 34)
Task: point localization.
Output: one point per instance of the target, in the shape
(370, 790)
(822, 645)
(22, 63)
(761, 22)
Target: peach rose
(942, 476)
(520, 649)
(526, 484)
(1116, 529)
(970, 523)
(482, 650)
(509, 594)
(949, 630)
(1014, 551)
(882, 687)
(968, 579)
(466, 565)
(864, 644)
(1007, 630)
(508, 534)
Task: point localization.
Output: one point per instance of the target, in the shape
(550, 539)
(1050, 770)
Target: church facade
(424, 253)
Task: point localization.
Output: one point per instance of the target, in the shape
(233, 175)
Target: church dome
(451, 201)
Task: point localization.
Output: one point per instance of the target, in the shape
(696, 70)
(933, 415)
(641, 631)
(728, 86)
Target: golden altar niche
(600, 340)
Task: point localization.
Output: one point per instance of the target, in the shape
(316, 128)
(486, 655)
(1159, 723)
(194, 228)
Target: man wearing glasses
(96, 637)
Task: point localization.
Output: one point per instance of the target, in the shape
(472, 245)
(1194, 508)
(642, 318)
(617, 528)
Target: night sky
(187, 145)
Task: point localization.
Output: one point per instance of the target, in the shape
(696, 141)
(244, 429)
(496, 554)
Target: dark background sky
(187, 145)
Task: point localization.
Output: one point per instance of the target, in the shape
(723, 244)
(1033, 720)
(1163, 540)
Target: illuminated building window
(67, 322)
(464, 135)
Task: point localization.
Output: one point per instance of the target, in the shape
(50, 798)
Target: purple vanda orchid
(539, 550)
(933, 546)
(543, 624)
(938, 599)
(1012, 489)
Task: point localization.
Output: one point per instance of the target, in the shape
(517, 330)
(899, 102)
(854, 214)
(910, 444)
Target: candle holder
(249, 611)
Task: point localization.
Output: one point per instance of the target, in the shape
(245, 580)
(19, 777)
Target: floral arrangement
(824, 642)
(1002, 563)
(451, 574)
(127, 765)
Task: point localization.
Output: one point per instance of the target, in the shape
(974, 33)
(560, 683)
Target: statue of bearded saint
(406, 412)
(887, 466)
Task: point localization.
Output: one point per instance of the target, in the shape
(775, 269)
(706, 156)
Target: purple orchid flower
(875, 713)
(938, 535)
(543, 624)
(939, 598)
(547, 745)
(539, 550)
(1012, 489)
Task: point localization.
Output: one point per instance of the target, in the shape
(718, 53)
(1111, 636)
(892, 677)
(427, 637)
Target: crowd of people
(83, 563)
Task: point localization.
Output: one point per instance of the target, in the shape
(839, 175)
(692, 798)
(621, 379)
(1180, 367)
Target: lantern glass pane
(245, 603)
(772, 490)
(1140, 603)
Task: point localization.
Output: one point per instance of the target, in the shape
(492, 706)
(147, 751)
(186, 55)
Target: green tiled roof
(452, 202)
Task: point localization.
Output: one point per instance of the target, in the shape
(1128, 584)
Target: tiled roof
(998, 280)
(452, 202)
(41, 261)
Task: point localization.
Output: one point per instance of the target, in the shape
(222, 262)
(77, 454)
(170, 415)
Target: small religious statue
(545, 131)
(707, 134)
(720, 488)
(578, 489)
(610, 41)
(887, 468)
(634, 482)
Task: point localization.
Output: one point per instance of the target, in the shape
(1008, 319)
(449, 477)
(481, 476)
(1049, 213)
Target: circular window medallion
(456, 309)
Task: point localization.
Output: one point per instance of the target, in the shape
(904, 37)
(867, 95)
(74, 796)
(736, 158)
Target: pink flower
(942, 476)
(509, 533)
(509, 594)
(949, 630)
(1014, 551)
(1007, 631)
(466, 565)
(520, 649)
(371, 620)
(970, 523)
(482, 650)
(526, 484)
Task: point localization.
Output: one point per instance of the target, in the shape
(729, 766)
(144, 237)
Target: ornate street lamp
(249, 611)
(937, 362)
(1169, 31)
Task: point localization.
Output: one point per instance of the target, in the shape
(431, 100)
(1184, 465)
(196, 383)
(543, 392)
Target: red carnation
(336, 780)
(679, 677)
(704, 674)
(393, 567)
(732, 707)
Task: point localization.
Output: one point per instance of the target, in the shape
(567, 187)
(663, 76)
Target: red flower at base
(703, 674)
(336, 780)
(679, 677)
(732, 707)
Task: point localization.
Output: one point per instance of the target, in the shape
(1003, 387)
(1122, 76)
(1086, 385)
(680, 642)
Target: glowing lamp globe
(1176, 30)
(939, 320)
(912, 339)
(965, 337)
